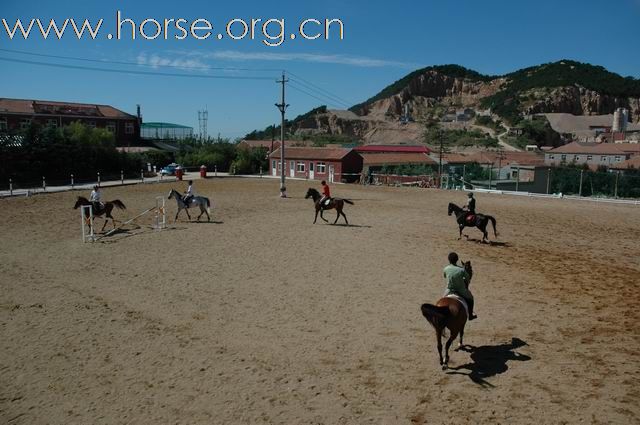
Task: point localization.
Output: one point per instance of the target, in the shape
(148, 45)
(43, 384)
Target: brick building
(18, 114)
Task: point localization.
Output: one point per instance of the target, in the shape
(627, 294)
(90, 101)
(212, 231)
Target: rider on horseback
(96, 199)
(188, 194)
(326, 194)
(470, 206)
(457, 280)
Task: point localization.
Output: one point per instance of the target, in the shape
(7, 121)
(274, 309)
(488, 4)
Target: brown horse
(448, 313)
(336, 203)
(97, 212)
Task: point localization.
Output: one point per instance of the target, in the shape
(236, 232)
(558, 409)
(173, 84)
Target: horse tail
(493, 222)
(348, 201)
(208, 206)
(435, 315)
(118, 203)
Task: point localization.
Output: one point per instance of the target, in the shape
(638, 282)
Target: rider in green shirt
(457, 279)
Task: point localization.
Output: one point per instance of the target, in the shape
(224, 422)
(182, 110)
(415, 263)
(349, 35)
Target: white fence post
(72, 181)
(161, 213)
(98, 178)
(121, 177)
(11, 187)
(87, 221)
(44, 184)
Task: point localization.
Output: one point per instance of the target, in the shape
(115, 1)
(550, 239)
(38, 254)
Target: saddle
(461, 300)
(471, 219)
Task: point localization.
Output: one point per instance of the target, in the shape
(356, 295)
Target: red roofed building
(18, 114)
(392, 149)
(330, 164)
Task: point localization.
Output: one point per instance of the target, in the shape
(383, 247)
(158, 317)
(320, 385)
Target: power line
(209, 68)
(126, 71)
(320, 93)
(311, 95)
(320, 88)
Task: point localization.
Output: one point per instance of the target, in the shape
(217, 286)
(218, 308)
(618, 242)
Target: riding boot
(470, 305)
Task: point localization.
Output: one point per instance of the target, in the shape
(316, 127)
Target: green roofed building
(165, 131)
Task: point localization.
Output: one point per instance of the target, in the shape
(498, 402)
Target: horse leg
(176, 219)
(461, 345)
(322, 217)
(201, 212)
(439, 340)
(337, 216)
(316, 217)
(106, 219)
(460, 226)
(446, 349)
(345, 217)
(188, 215)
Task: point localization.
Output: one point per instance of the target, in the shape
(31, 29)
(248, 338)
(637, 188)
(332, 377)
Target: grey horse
(196, 201)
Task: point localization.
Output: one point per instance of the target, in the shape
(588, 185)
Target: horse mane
(82, 198)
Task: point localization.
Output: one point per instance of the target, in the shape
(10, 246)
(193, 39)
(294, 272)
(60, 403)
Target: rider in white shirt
(188, 194)
(96, 198)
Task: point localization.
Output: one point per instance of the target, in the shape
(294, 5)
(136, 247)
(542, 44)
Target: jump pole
(161, 214)
(87, 222)
(125, 223)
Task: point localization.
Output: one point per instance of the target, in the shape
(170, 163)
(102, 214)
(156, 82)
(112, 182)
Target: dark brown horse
(480, 221)
(97, 212)
(336, 203)
(448, 313)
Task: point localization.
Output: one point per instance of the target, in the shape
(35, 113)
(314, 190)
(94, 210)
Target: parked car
(170, 170)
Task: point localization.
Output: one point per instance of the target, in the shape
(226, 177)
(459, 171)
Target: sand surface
(263, 317)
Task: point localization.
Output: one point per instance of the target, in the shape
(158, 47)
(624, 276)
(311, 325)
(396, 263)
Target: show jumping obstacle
(160, 220)
(86, 221)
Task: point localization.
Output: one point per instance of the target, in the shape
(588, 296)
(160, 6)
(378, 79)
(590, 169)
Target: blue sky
(383, 41)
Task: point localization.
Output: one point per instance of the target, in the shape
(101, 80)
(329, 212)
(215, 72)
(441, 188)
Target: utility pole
(441, 152)
(580, 190)
(548, 179)
(282, 107)
(615, 193)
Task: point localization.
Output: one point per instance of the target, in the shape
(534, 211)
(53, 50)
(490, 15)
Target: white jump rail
(161, 214)
(112, 231)
(86, 222)
(559, 196)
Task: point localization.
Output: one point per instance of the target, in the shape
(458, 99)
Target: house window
(52, 123)
(320, 167)
(300, 167)
(576, 158)
(551, 157)
(589, 157)
(111, 127)
(3, 124)
(91, 124)
(128, 128)
(563, 158)
(279, 165)
(25, 123)
(273, 163)
(603, 158)
(618, 159)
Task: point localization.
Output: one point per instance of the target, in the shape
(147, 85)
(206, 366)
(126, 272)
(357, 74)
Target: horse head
(171, 193)
(312, 193)
(466, 265)
(80, 202)
(451, 207)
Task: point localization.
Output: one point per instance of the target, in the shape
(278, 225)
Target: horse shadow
(490, 360)
(205, 222)
(362, 226)
(489, 243)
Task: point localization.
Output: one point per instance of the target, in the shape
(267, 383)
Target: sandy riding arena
(262, 317)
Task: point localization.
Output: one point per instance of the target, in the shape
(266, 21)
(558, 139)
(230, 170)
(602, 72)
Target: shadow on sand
(351, 225)
(489, 243)
(490, 360)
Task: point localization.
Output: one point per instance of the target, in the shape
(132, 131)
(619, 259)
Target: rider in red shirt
(326, 193)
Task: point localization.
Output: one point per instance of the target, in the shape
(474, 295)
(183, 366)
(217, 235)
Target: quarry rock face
(379, 121)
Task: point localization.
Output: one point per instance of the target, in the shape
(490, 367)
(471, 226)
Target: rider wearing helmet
(96, 199)
(470, 206)
(188, 194)
(457, 280)
(326, 194)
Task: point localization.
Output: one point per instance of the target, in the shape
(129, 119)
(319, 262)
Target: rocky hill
(433, 92)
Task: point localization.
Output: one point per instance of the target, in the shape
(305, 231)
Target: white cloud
(238, 56)
(156, 61)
